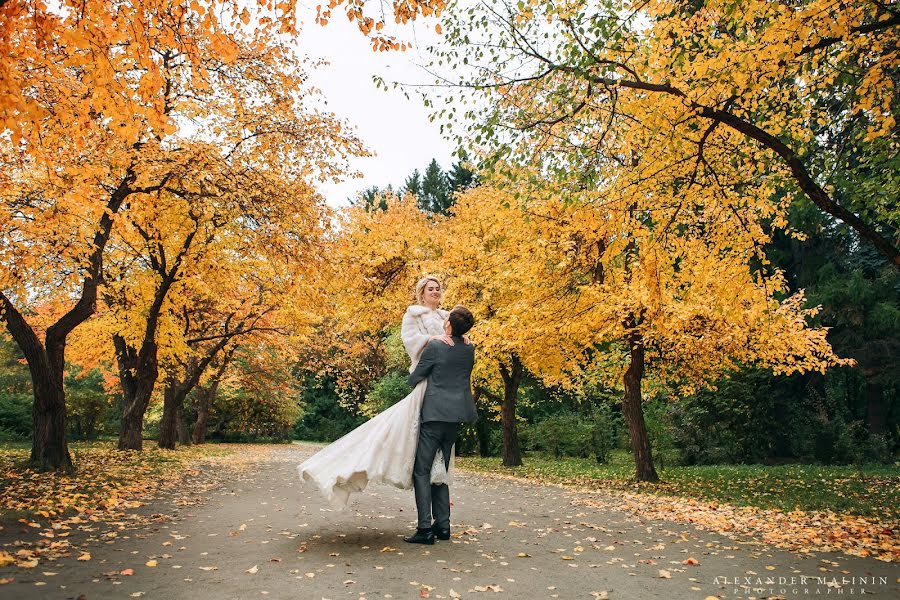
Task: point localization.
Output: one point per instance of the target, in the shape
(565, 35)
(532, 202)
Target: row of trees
(158, 163)
(434, 191)
(640, 170)
(643, 166)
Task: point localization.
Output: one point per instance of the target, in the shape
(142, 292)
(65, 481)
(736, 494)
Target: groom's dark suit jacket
(448, 369)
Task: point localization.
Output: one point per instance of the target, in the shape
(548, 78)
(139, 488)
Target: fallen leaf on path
(253, 570)
(151, 563)
(209, 568)
(488, 588)
(690, 561)
(84, 556)
(663, 574)
(126, 572)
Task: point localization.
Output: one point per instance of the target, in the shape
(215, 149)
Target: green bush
(323, 418)
(594, 434)
(386, 392)
(606, 431)
(15, 417)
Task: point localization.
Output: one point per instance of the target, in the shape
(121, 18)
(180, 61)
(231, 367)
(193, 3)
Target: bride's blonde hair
(420, 287)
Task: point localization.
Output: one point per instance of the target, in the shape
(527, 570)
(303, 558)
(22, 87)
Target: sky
(395, 129)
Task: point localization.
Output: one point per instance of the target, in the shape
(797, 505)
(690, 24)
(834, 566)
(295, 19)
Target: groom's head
(460, 320)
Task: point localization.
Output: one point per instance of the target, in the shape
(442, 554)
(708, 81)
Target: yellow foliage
(557, 284)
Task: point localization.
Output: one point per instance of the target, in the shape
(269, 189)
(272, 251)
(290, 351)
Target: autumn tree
(578, 294)
(687, 129)
(806, 93)
(69, 167)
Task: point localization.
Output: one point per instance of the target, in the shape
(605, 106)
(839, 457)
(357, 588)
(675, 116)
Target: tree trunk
(512, 377)
(184, 436)
(634, 412)
(167, 428)
(90, 429)
(876, 408)
(138, 371)
(483, 431)
(205, 401)
(482, 426)
(49, 449)
(46, 364)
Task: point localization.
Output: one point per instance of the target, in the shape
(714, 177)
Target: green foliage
(434, 196)
(323, 419)
(15, 393)
(413, 184)
(738, 422)
(594, 434)
(373, 198)
(265, 407)
(434, 191)
(386, 392)
(89, 408)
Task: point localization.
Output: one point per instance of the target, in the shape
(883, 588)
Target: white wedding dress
(383, 449)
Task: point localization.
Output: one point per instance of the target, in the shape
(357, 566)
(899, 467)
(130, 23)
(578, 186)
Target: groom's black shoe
(441, 534)
(422, 536)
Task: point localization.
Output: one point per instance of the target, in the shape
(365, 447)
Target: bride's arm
(414, 340)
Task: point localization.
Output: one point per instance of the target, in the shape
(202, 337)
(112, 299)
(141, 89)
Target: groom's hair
(461, 320)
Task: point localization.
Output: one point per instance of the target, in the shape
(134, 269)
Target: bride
(383, 449)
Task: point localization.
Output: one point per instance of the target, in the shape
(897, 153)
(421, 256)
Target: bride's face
(432, 294)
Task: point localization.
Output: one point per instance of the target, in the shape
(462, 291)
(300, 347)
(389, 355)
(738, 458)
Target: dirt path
(267, 535)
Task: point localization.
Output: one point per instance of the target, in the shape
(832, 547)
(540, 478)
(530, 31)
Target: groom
(448, 402)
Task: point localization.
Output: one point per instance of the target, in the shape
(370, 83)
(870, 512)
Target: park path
(265, 534)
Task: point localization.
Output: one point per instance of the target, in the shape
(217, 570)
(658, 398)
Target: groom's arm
(425, 365)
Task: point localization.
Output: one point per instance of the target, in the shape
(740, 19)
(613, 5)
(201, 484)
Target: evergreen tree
(412, 185)
(435, 196)
(460, 177)
(373, 198)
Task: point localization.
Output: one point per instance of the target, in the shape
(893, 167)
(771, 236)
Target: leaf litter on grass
(874, 533)
(107, 485)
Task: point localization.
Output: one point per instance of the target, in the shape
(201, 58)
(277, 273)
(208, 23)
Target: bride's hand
(444, 338)
(467, 340)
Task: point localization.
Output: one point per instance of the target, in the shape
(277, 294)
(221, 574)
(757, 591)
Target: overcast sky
(393, 128)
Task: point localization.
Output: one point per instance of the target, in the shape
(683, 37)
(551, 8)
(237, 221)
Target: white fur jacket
(420, 323)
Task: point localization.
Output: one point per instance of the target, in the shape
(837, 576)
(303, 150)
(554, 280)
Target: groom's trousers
(433, 500)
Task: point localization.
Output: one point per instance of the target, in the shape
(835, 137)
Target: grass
(869, 490)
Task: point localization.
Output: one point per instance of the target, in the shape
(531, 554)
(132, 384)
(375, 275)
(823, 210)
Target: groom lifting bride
(447, 367)
(389, 447)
